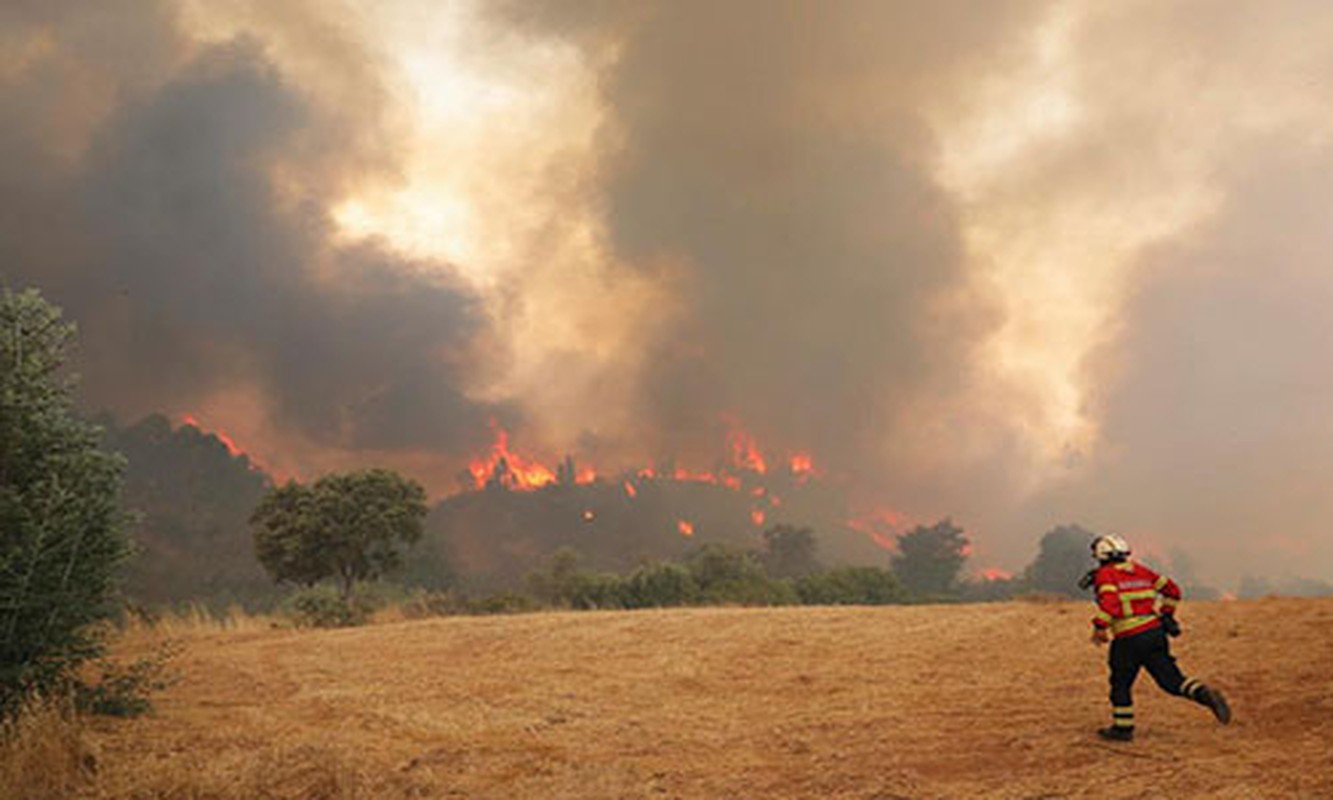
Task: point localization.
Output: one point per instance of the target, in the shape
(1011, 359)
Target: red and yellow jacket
(1127, 598)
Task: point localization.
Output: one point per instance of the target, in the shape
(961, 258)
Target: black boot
(1116, 733)
(1213, 699)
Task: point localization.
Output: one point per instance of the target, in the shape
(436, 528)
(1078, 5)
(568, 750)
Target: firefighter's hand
(1100, 636)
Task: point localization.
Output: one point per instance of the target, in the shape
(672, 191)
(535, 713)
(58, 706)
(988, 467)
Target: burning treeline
(513, 510)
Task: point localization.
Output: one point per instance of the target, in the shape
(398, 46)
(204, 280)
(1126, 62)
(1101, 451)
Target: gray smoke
(772, 169)
(777, 152)
(189, 236)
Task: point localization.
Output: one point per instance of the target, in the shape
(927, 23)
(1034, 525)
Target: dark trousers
(1148, 650)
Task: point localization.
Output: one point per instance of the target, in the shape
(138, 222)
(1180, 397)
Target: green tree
(1062, 558)
(61, 524)
(347, 526)
(789, 551)
(192, 499)
(554, 584)
(661, 586)
(729, 575)
(929, 558)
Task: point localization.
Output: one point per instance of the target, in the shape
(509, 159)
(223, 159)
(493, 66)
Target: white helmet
(1110, 548)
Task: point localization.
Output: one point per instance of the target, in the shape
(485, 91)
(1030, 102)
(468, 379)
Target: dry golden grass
(44, 753)
(906, 702)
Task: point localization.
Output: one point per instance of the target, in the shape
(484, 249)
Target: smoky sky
(774, 155)
(1217, 420)
(819, 203)
(190, 240)
(1210, 382)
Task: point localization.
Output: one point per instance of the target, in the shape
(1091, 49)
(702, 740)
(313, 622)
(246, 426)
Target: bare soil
(996, 700)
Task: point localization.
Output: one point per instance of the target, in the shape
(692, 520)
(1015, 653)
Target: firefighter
(1129, 617)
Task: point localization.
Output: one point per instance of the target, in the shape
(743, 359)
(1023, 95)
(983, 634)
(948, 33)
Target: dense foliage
(347, 526)
(713, 574)
(60, 517)
(929, 559)
(1062, 558)
(789, 551)
(193, 498)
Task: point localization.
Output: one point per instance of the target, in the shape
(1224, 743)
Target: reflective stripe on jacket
(1127, 595)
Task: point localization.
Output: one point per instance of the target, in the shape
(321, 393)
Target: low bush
(660, 586)
(860, 586)
(501, 603)
(125, 690)
(323, 607)
(728, 576)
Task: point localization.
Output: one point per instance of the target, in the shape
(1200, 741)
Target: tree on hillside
(193, 499)
(929, 558)
(347, 526)
(60, 517)
(789, 551)
(1063, 557)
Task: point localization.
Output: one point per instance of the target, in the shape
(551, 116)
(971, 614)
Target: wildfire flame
(682, 474)
(227, 441)
(518, 471)
(882, 526)
(233, 449)
(744, 452)
(745, 471)
(996, 574)
(802, 465)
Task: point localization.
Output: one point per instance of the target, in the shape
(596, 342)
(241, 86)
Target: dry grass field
(904, 702)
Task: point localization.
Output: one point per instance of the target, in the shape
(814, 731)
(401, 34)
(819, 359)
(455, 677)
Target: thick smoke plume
(1021, 263)
(775, 161)
(185, 226)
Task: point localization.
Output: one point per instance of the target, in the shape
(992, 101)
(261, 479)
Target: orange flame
(519, 472)
(588, 515)
(682, 474)
(802, 465)
(996, 574)
(227, 441)
(586, 475)
(685, 527)
(881, 525)
(757, 517)
(630, 490)
(233, 449)
(744, 452)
